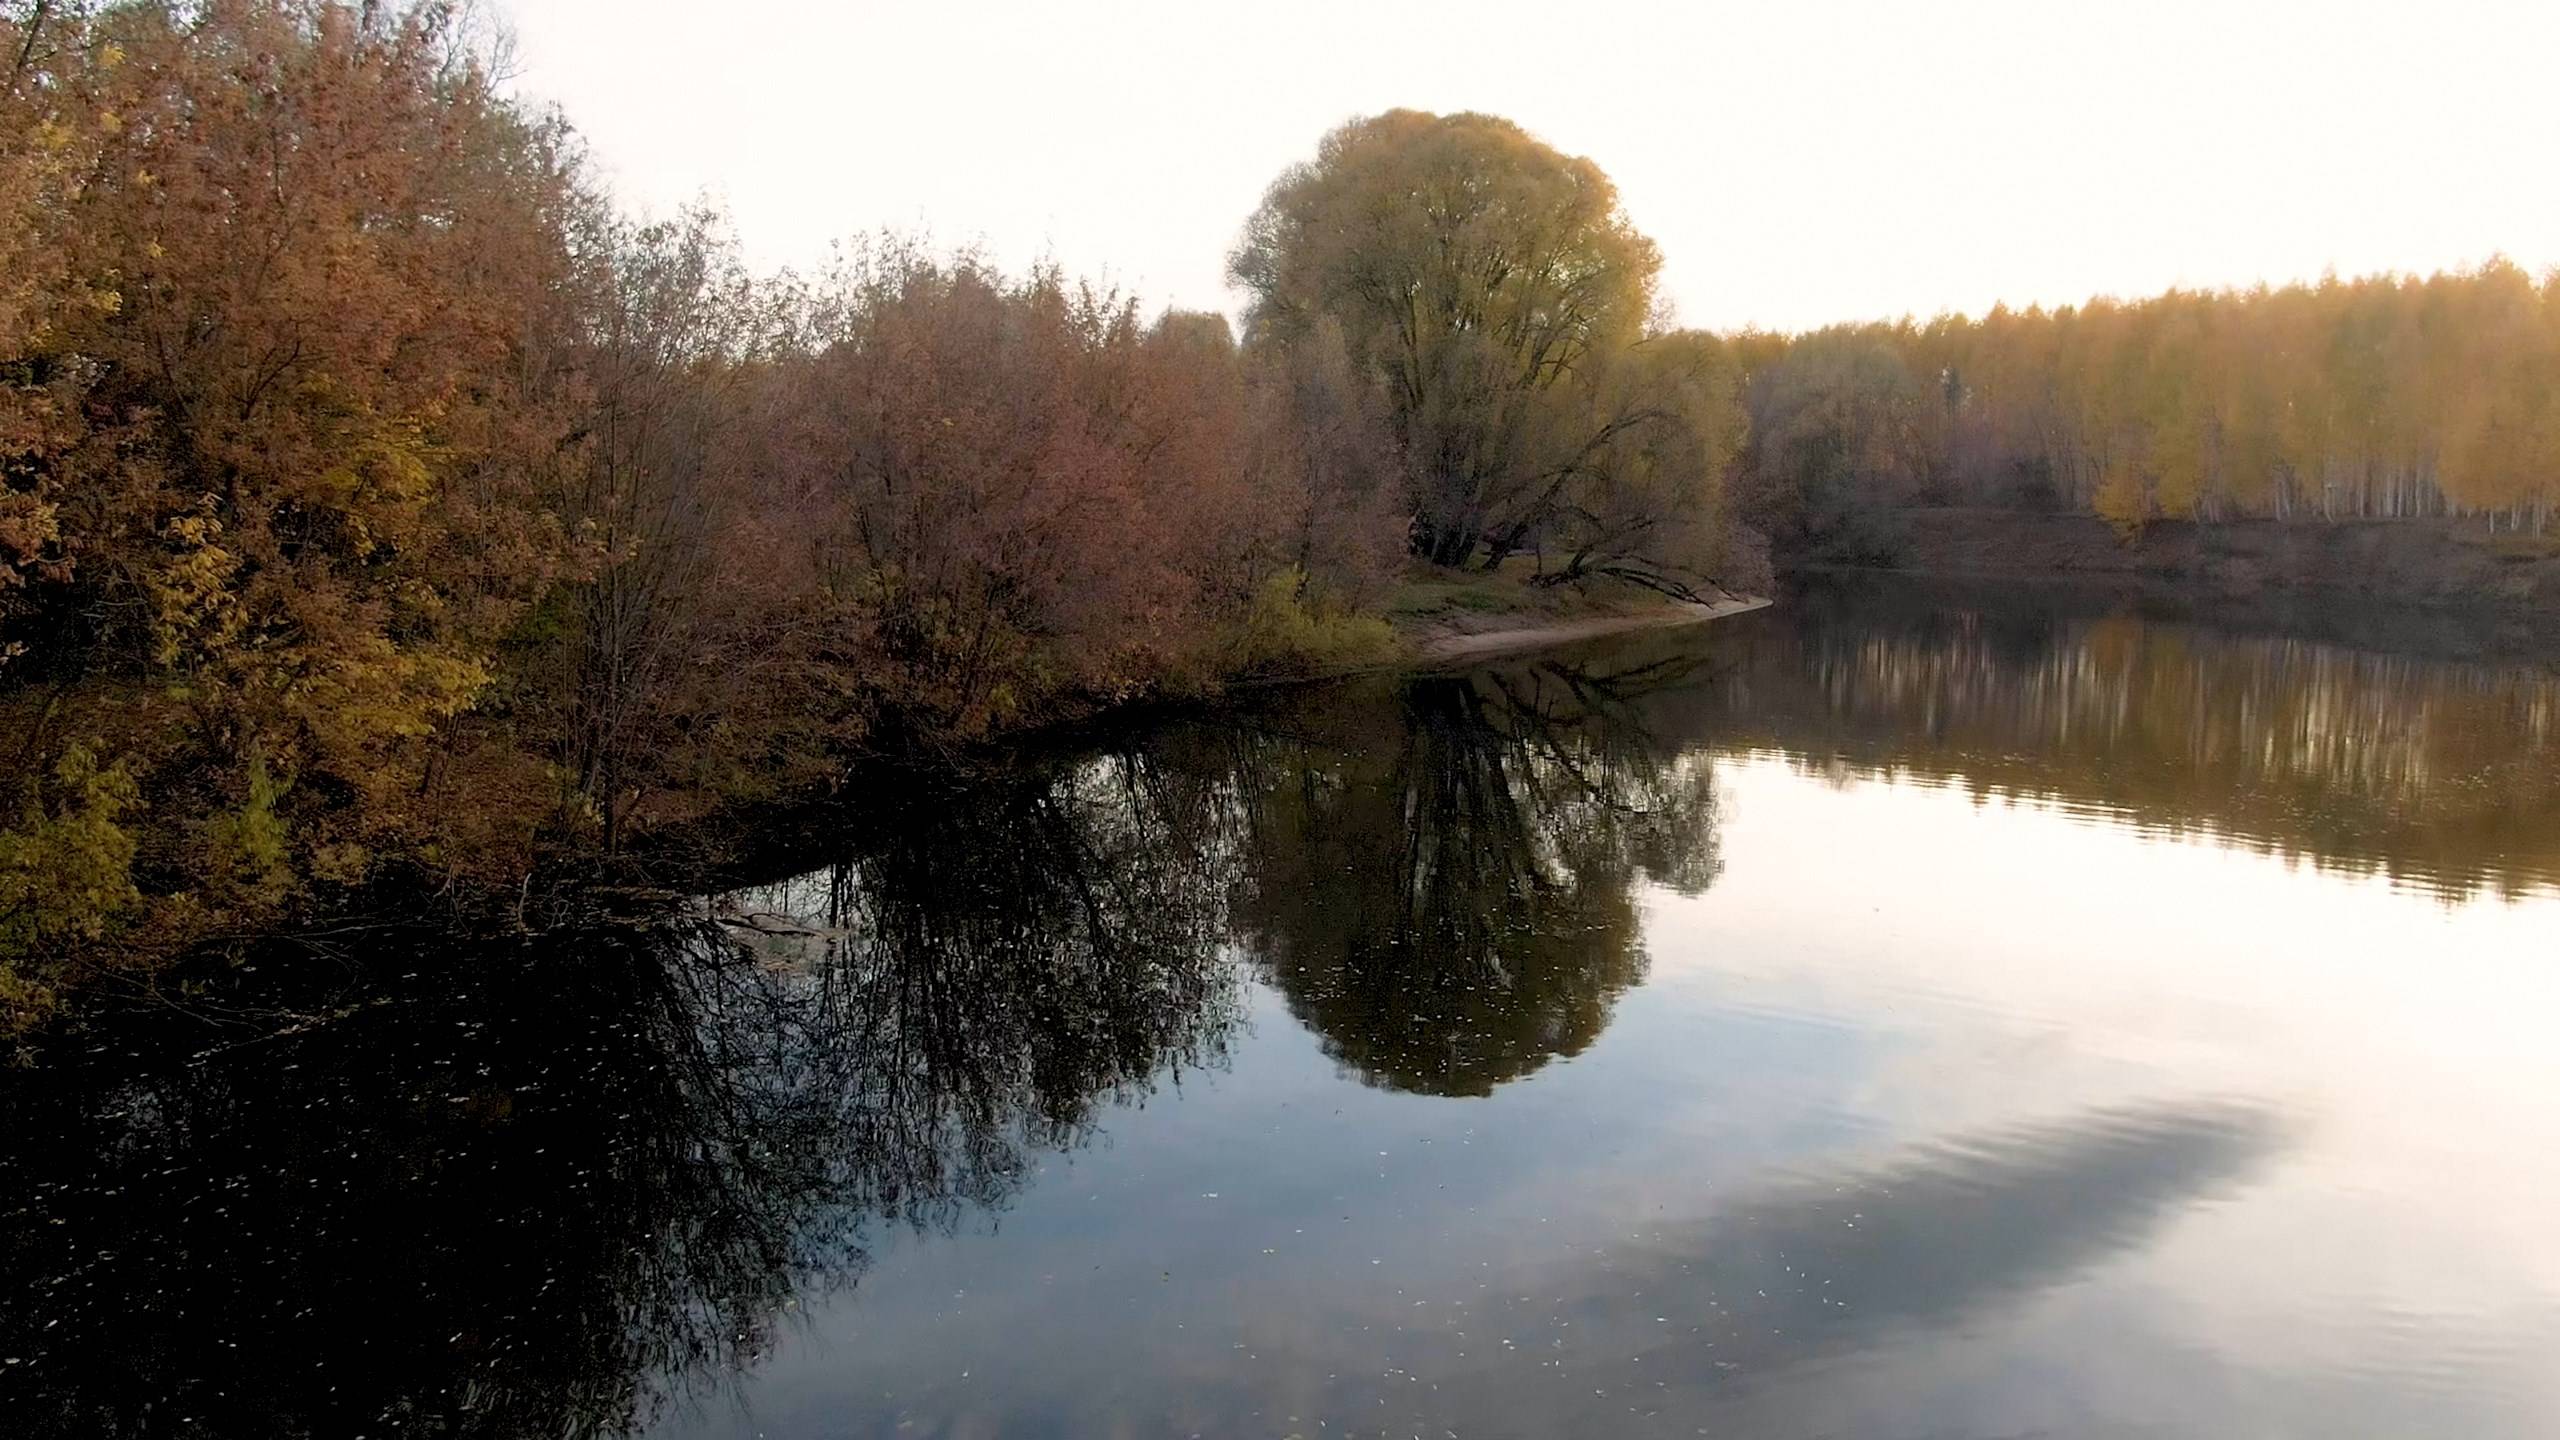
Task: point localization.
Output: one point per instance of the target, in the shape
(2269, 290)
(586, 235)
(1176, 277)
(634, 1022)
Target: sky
(1797, 163)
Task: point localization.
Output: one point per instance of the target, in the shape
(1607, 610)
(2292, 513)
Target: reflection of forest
(534, 1190)
(540, 1188)
(394, 1183)
(2443, 773)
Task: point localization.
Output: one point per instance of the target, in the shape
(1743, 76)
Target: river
(1900, 1012)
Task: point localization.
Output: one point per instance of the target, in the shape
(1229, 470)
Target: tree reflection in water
(1445, 891)
(539, 1189)
(397, 1183)
(2436, 771)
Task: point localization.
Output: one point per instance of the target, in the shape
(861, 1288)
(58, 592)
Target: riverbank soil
(1445, 616)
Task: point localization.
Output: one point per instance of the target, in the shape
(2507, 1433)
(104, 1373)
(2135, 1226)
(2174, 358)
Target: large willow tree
(1497, 293)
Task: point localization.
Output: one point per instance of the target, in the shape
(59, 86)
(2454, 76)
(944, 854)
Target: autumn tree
(270, 445)
(1323, 450)
(1021, 492)
(1836, 436)
(1491, 287)
(1648, 507)
(686, 602)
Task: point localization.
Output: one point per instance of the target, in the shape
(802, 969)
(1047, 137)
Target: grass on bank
(1291, 633)
(1430, 600)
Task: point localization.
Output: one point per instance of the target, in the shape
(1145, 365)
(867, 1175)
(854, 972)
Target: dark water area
(1907, 1012)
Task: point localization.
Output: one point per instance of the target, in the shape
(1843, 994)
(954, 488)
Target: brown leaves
(296, 207)
(1030, 494)
(367, 489)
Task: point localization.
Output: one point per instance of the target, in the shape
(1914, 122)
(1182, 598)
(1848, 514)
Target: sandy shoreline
(1463, 647)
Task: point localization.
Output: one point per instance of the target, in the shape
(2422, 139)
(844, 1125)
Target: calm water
(1891, 1015)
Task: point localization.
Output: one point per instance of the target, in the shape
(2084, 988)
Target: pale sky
(1798, 163)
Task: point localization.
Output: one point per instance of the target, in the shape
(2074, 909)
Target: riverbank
(511, 860)
(2508, 583)
(1466, 646)
(1443, 618)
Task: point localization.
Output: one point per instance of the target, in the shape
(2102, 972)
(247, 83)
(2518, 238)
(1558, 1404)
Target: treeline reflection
(388, 1183)
(2439, 773)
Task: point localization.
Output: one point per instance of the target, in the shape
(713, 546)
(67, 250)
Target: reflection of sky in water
(1931, 1117)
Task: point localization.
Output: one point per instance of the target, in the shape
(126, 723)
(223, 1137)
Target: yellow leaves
(194, 611)
(199, 529)
(246, 853)
(2122, 501)
(28, 524)
(66, 870)
(381, 459)
(1288, 631)
(396, 462)
(2181, 486)
(369, 693)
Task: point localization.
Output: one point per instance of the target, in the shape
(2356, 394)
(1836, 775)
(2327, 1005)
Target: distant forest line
(2385, 397)
(383, 510)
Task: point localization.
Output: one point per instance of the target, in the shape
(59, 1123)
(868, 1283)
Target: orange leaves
(277, 282)
(287, 305)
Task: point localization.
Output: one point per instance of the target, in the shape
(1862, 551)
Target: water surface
(1895, 1014)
